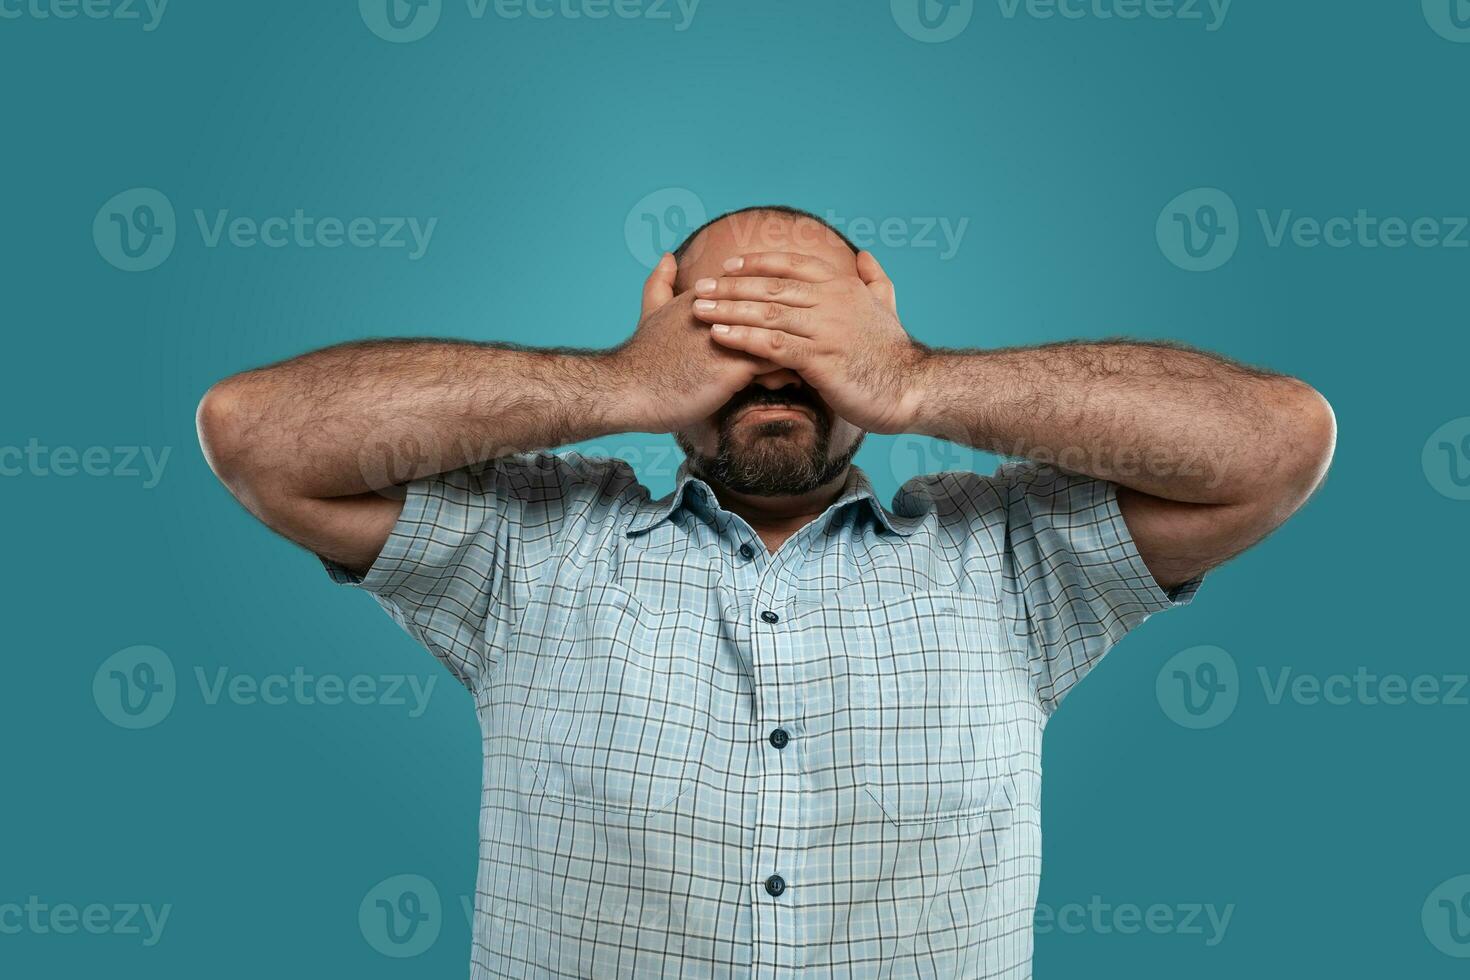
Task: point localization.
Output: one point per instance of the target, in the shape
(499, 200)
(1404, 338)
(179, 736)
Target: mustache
(757, 396)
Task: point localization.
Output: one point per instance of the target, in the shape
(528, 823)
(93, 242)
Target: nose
(778, 379)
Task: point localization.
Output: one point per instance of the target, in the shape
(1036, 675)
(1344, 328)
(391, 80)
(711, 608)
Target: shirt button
(775, 885)
(747, 552)
(769, 616)
(779, 738)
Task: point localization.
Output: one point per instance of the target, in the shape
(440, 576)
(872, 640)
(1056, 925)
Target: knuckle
(772, 312)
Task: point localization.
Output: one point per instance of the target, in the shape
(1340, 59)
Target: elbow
(1312, 441)
(219, 422)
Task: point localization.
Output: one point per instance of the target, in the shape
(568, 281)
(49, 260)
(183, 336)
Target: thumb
(877, 281)
(659, 288)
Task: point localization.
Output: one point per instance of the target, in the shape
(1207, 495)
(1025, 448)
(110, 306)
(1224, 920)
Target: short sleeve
(1080, 582)
(470, 544)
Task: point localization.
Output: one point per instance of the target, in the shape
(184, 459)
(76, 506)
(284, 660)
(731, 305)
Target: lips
(769, 407)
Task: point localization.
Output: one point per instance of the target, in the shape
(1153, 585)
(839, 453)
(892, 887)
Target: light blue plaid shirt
(703, 759)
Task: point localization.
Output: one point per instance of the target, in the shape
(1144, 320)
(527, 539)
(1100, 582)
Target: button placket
(779, 838)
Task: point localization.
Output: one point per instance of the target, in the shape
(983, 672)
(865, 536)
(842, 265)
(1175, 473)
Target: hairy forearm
(364, 416)
(1175, 423)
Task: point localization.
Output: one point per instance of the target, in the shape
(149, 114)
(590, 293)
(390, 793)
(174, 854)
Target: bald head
(767, 228)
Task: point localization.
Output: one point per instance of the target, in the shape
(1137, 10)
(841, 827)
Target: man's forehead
(762, 231)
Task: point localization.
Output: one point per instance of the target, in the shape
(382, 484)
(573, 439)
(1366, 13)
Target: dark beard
(767, 466)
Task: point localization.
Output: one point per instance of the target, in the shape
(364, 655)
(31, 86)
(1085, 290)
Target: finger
(659, 288)
(869, 271)
(787, 265)
(789, 292)
(877, 281)
(776, 346)
(776, 316)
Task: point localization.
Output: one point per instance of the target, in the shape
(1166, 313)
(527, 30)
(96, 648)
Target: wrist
(621, 399)
(945, 390)
(924, 401)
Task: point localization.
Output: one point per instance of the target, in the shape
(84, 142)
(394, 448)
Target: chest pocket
(623, 720)
(938, 705)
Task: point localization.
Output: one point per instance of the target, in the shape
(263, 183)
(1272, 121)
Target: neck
(777, 518)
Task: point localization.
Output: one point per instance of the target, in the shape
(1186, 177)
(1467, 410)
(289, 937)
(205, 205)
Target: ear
(877, 281)
(659, 288)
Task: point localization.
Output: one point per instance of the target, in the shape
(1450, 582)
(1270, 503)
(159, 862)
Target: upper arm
(1076, 581)
(350, 531)
(1179, 540)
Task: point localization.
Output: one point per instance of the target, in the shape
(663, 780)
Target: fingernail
(720, 328)
(735, 264)
(704, 305)
(705, 286)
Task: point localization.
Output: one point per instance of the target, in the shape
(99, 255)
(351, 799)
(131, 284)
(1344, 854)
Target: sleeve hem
(1153, 596)
(402, 549)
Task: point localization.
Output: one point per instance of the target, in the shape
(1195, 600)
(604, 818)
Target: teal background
(1327, 827)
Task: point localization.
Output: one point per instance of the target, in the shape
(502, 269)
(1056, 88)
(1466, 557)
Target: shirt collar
(695, 494)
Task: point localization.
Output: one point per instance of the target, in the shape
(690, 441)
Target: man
(765, 725)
